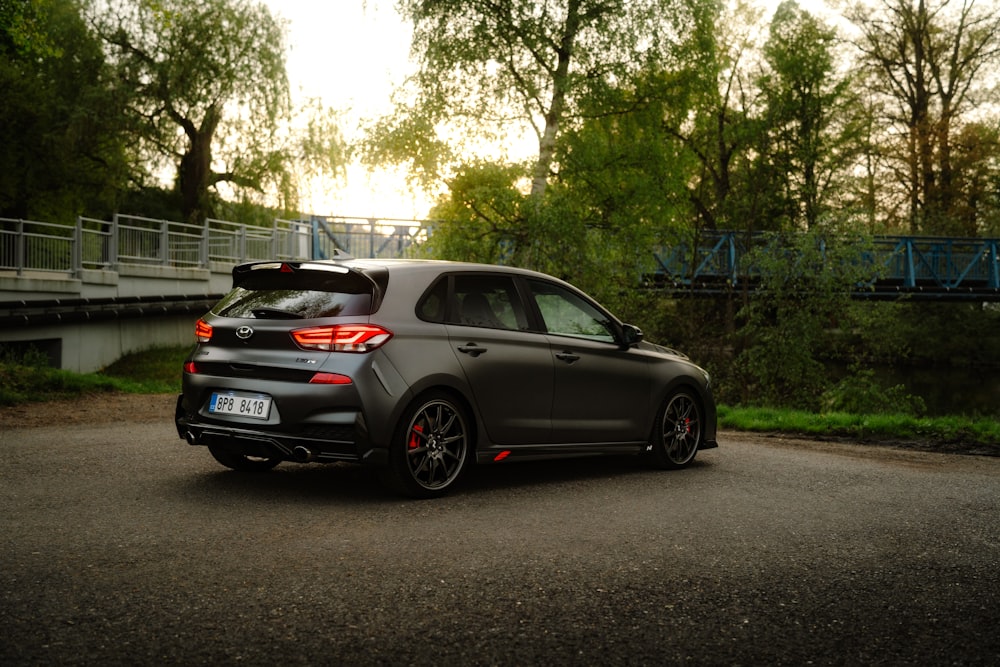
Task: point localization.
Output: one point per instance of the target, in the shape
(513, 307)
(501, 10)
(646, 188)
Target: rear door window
(488, 301)
(476, 300)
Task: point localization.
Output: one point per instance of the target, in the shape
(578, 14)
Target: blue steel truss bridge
(898, 267)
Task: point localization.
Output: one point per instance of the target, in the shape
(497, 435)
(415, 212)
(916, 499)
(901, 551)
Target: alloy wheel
(437, 444)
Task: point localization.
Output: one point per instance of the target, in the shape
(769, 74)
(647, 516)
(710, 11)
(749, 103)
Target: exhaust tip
(191, 438)
(302, 455)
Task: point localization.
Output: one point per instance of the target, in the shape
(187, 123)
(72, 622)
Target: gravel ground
(91, 409)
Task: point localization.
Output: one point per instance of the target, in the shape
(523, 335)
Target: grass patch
(155, 371)
(880, 427)
(30, 379)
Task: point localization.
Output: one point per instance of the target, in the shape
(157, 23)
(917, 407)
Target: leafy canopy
(210, 97)
(491, 72)
(61, 146)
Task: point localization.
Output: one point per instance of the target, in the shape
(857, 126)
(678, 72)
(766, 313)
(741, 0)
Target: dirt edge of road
(97, 408)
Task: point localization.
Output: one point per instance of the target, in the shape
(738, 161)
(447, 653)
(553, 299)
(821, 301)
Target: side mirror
(631, 335)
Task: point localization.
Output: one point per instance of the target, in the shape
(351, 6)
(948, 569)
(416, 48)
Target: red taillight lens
(342, 337)
(190, 367)
(329, 378)
(203, 331)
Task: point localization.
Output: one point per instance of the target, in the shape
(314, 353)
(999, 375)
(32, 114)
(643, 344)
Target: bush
(860, 394)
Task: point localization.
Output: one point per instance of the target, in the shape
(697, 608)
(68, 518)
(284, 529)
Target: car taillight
(342, 337)
(190, 367)
(203, 331)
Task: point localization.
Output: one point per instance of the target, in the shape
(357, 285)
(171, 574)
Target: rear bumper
(319, 443)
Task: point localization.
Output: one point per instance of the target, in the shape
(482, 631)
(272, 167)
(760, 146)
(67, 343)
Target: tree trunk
(194, 173)
(553, 118)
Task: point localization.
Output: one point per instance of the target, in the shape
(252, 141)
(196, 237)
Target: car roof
(394, 265)
(425, 269)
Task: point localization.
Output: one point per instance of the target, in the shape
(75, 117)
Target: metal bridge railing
(948, 263)
(232, 243)
(367, 237)
(38, 246)
(28, 245)
(919, 266)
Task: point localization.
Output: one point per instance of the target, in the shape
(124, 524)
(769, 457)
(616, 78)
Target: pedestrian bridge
(894, 267)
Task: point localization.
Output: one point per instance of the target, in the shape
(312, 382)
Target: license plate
(254, 406)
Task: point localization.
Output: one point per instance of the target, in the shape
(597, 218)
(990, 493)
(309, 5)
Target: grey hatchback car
(424, 367)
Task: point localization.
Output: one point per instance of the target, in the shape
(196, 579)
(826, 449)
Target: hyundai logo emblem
(244, 332)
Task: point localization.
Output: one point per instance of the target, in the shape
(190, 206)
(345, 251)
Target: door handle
(568, 357)
(471, 349)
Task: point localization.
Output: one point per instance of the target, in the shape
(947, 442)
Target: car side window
(478, 300)
(565, 313)
(487, 301)
(434, 305)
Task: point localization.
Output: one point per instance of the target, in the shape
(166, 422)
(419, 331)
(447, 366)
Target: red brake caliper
(414, 443)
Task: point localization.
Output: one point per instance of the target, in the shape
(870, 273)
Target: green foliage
(809, 134)
(804, 291)
(860, 394)
(153, 371)
(60, 123)
(488, 218)
(927, 63)
(209, 97)
(481, 220)
(937, 433)
(624, 174)
(719, 124)
(488, 71)
(28, 377)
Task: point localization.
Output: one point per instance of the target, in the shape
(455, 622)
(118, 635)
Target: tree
(803, 297)
(474, 221)
(62, 148)
(716, 116)
(488, 69)
(209, 96)
(809, 124)
(976, 209)
(930, 60)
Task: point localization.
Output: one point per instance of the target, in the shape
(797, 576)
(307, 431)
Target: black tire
(242, 462)
(678, 432)
(431, 447)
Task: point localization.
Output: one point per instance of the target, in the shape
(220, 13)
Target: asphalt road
(123, 545)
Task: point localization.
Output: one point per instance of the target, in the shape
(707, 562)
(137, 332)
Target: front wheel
(430, 448)
(242, 462)
(678, 431)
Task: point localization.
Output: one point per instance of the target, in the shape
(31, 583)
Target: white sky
(351, 54)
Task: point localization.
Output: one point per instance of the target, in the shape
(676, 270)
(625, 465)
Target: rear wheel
(430, 448)
(678, 432)
(242, 462)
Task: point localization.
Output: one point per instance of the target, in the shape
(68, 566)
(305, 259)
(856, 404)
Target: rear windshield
(299, 295)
